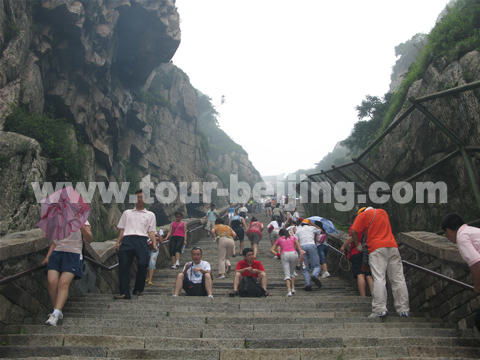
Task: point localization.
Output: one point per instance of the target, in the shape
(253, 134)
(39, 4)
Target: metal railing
(9, 279)
(360, 172)
(422, 269)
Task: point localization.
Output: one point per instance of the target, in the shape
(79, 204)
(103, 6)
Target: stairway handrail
(438, 275)
(425, 270)
(9, 279)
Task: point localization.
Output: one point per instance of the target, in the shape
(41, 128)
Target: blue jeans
(322, 252)
(312, 255)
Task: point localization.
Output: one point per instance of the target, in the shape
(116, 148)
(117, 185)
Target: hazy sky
(292, 72)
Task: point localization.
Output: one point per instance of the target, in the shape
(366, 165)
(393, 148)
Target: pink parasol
(62, 213)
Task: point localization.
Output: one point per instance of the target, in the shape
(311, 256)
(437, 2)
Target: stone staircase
(327, 323)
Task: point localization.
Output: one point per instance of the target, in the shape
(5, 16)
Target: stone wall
(26, 299)
(428, 295)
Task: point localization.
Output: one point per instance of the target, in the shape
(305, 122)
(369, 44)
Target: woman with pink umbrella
(64, 220)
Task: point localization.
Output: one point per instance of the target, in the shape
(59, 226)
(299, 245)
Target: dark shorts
(62, 261)
(254, 237)
(176, 244)
(196, 290)
(357, 266)
(240, 231)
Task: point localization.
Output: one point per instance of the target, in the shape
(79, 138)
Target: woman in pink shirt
(254, 234)
(289, 257)
(178, 234)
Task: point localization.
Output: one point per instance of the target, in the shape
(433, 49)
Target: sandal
(267, 294)
(233, 293)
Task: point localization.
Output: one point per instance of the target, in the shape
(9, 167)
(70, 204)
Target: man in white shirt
(196, 277)
(136, 227)
(306, 237)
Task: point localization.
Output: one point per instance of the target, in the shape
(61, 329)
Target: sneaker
(325, 275)
(173, 267)
(52, 320)
(308, 287)
(174, 296)
(210, 296)
(293, 291)
(317, 281)
(275, 256)
(221, 277)
(295, 273)
(380, 314)
(289, 294)
(177, 263)
(229, 269)
(404, 314)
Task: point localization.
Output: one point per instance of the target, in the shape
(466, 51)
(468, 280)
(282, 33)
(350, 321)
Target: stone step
(260, 318)
(392, 352)
(195, 330)
(292, 339)
(327, 323)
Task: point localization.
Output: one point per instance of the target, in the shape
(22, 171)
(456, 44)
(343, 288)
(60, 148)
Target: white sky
(292, 72)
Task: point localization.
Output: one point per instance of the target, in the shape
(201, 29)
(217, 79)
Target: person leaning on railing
(467, 239)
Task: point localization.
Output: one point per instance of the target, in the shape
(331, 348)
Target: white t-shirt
(242, 209)
(137, 222)
(72, 244)
(306, 234)
(275, 226)
(196, 277)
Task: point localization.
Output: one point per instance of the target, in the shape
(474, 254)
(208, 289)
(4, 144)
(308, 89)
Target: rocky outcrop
(406, 151)
(104, 67)
(20, 164)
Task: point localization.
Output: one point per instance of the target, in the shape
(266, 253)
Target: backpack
(250, 287)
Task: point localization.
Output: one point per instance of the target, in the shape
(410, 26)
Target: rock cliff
(104, 66)
(406, 150)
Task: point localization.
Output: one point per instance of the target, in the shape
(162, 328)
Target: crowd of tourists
(300, 244)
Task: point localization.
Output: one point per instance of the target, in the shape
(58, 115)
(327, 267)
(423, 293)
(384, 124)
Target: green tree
(371, 113)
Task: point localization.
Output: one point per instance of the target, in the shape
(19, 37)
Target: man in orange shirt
(384, 259)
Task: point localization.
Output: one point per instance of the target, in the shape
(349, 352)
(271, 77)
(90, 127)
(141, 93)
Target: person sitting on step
(196, 277)
(249, 267)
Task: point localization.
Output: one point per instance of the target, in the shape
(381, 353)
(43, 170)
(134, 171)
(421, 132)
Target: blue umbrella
(327, 224)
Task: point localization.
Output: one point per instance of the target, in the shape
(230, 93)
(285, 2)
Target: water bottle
(183, 248)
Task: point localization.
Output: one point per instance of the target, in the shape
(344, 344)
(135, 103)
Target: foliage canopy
(58, 140)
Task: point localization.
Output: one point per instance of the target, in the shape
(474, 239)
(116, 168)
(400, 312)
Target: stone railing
(26, 299)
(429, 295)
